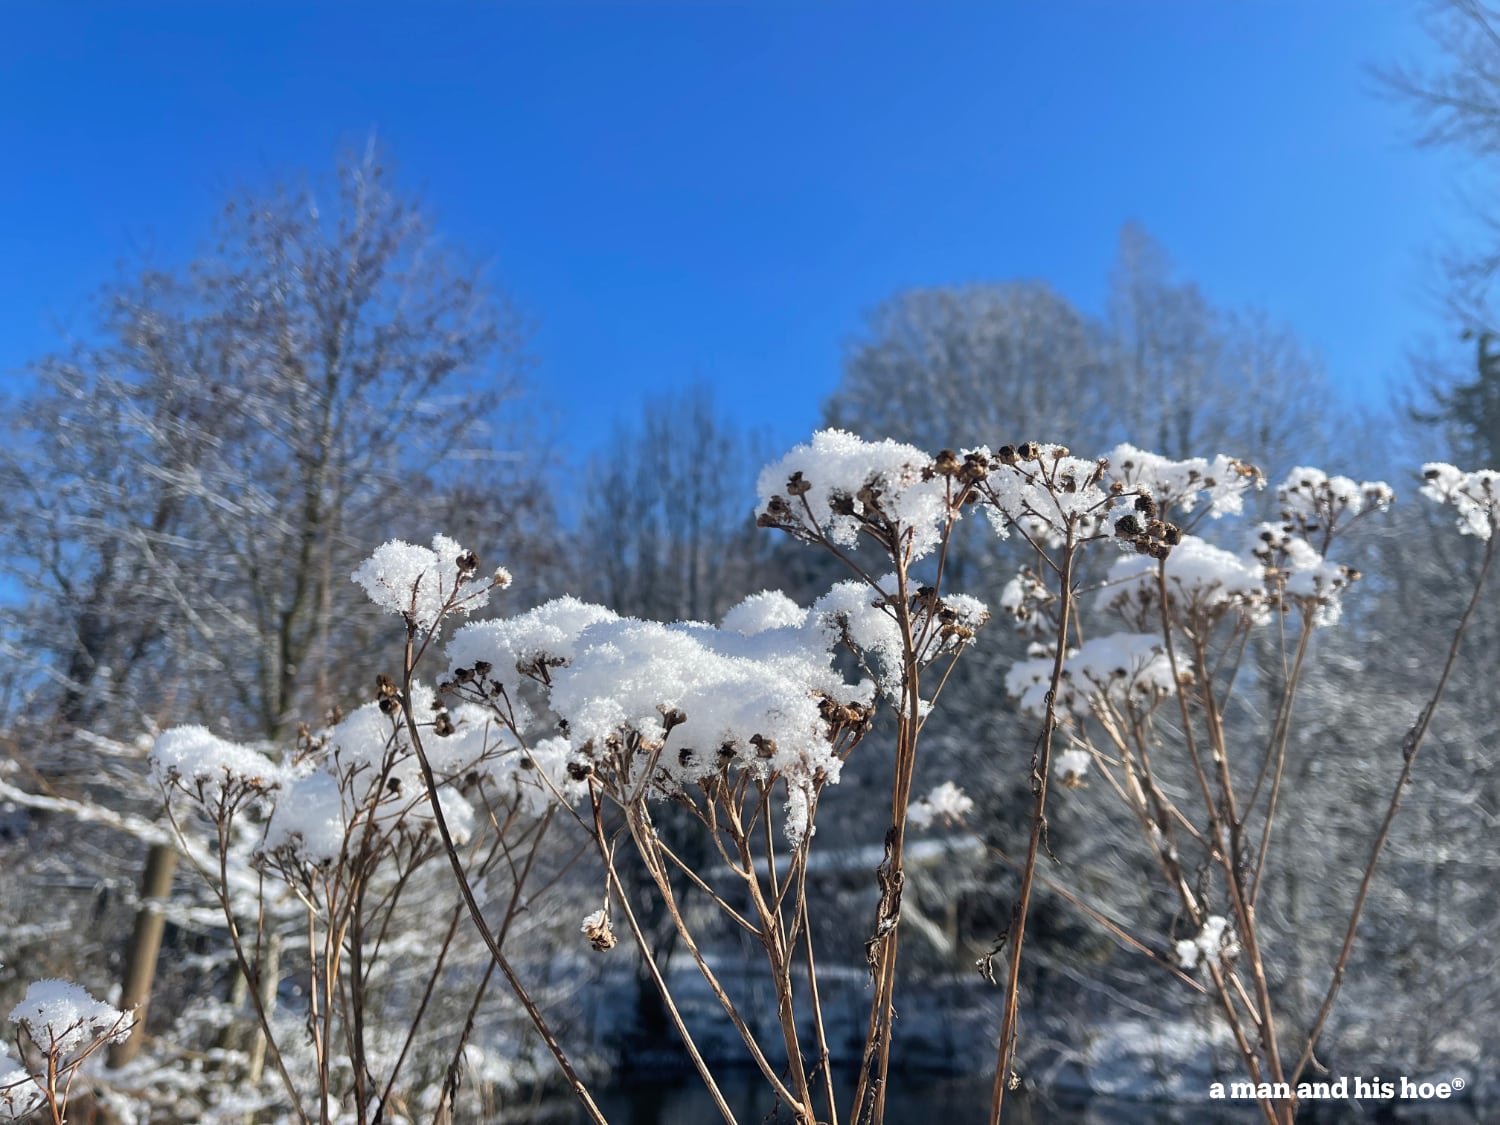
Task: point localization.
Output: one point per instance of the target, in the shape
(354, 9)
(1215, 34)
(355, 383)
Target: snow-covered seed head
(597, 929)
(976, 467)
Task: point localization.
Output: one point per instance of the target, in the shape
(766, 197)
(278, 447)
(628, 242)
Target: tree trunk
(145, 944)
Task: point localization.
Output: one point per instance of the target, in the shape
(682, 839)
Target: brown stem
(575, 1083)
(1005, 1057)
(1409, 750)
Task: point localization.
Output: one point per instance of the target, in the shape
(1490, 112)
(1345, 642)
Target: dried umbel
(597, 929)
(1146, 532)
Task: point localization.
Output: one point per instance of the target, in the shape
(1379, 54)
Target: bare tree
(971, 365)
(189, 487)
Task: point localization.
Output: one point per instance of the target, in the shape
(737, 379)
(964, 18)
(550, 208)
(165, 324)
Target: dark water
(928, 1100)
(925, 1100)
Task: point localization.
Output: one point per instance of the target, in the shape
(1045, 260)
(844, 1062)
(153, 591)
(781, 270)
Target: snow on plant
(1215, 940)
(1475, 496)
(571, 713)
(58, 1026)
(345, 820)
(1203, 578)
(1178, 487)
(945, 803)
(1120, 669)
(1042, 490)
(1205, 805)
(422, 584)
(195, 756)
(1071, 767)
(844, 485)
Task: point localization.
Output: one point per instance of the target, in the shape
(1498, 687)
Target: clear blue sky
(723, 189)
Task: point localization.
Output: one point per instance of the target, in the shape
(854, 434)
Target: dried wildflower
(597, 929)
(1071, 767)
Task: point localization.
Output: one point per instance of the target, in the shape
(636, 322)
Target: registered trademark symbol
(1457, 1084)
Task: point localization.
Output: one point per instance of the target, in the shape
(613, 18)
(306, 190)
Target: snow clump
(421, 583)
(1475, 496)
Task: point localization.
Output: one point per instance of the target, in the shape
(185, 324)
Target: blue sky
(721, 190)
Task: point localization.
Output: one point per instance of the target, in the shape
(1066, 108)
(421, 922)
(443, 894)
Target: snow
(946, 802)
(1294, 568)
(1475, 496)
(421, 583)
(1214, 938)
(769, 609)
(849, 481)
(1198, 574)
(309, 819)
(1044, 491)
(685, 700)
(60, 1016)
(195, 754)
(852, 608)
(368, 775)
(1121, 668)
(1312, 496)
(1180, 486)
(1071, 767)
